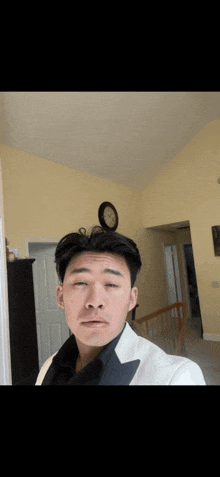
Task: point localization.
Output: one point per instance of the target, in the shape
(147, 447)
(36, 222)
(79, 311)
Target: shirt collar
(108, 348)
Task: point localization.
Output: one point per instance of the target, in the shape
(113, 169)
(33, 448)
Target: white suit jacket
(137, 361)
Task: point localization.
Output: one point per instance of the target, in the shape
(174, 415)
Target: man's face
(96, 296)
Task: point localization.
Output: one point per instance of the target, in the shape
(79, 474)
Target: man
(97, 273)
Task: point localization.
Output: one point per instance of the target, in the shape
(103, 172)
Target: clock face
(108, 216)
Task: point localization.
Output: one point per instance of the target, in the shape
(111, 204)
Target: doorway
(195, 319)
(52, 330)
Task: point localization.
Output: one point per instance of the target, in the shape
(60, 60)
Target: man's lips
(94, 324)
(94, 321)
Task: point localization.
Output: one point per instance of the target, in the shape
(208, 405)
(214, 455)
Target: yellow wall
(43, 199)
(187, 189)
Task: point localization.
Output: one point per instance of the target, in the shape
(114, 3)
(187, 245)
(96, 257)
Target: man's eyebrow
(80, 270)
(114, 272)
(107, 270)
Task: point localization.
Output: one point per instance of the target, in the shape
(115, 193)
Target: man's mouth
(94, 324)
(97, 323)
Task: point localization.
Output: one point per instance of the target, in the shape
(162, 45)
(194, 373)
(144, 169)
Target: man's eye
(112, 285)
(80, 283)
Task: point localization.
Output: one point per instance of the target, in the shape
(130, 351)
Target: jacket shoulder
(156, 367)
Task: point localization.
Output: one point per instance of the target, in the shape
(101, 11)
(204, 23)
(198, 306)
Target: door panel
(52, 330)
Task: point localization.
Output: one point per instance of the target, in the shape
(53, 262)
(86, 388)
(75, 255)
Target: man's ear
(133, 299)
(59, 295)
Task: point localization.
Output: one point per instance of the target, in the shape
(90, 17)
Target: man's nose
(95, 299)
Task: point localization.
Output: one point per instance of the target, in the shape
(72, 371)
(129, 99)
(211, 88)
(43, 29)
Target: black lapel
(117, 373)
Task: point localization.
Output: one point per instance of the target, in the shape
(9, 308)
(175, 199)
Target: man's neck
(86, 354)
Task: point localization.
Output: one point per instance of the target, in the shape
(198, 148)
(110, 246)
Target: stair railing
(169, 326)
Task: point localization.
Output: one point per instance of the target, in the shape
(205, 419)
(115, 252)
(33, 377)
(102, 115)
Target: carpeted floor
(205, 353)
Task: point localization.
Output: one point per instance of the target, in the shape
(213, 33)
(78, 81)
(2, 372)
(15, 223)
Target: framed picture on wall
(216, 239)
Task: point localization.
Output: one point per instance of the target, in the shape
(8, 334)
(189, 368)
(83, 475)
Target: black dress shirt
(62, 369)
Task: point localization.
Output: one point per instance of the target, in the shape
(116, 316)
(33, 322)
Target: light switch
(14, 250)
(215, 284)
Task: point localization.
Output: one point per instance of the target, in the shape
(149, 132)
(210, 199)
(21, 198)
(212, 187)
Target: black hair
(99, 240)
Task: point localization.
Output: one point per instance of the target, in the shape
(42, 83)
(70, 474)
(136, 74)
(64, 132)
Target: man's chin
(96, 337)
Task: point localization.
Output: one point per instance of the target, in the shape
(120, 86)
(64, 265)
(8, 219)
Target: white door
(52, 330)
(173, 276)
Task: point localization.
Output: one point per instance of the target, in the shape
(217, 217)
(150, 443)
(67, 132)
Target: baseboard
(210, 337)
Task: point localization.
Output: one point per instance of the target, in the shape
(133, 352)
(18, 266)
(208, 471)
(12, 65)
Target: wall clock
(108, 216)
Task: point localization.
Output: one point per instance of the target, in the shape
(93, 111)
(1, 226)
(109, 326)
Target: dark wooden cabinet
(22, 322)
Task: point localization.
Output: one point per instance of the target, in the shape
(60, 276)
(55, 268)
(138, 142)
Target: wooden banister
(162, 310)
(181, 320)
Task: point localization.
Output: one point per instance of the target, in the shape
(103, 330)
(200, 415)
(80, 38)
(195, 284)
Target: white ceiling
(126, 137)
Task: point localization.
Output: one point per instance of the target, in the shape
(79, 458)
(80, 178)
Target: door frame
(185, 277)
(176, 270)
(5, 354)
(38, 240)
